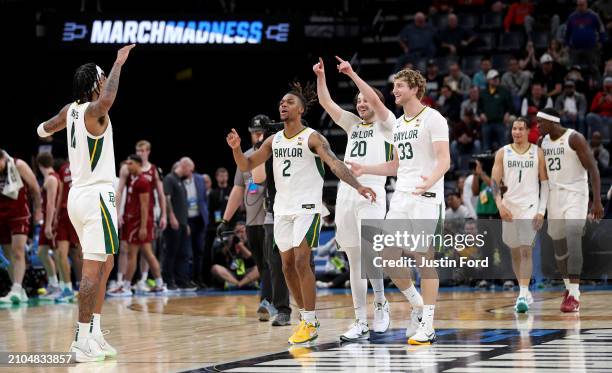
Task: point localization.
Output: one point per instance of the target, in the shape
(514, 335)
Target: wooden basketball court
(477, 332)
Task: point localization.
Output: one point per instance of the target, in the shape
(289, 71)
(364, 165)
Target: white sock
(573, 291)
(359, 285)
(523, 291)
(159, 282)
(83, 331)
(16, 287)
(428, 314)
(68, 285)
(119, 278)
(127, 284)
(62, 285)
(310, 317)
(53, 281)
(302, 313)
(144, 277)
(566, 282)
(95, 319)
(378, 286)
(413, 296)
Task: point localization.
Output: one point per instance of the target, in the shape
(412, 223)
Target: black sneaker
(172, 288)
(188, 287)
(282, 319)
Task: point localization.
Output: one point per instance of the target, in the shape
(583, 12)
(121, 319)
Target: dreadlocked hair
(307, 94)
(82, 84)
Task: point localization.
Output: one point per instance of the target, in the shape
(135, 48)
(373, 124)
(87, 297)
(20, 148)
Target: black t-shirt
(270, 186)
(233, 261)
(217, 202)
(551, 79)
(174, 188)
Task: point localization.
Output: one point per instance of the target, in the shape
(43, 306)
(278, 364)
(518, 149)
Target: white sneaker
(415, 320)
(53, 292)
(521, 305)
(424, 335)
(14, 297)
(141, 287)
(108, 350)
(358, 331)
(87, 350)
(322, 285)
(120, 292)
(529, 298)
(381, 317)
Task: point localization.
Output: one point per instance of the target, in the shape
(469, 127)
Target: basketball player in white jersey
(91, 202)
(568, 159)
(297, 153)
(421, 158)
(369, 142)
(521, 167)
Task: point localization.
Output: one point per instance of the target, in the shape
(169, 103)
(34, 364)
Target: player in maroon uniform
(16, 178)
(66, 237)
(138, 222)
(46, 241)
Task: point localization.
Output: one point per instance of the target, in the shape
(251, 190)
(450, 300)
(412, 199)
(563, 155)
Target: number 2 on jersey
(287, 163)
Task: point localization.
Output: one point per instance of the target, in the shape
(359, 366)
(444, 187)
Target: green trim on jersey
(72, 136)
(294, 136)
(388, 152)
(312, 236)
(95, 150)
(439, 228)
(320, 166)
(111, 241)
(407, 121)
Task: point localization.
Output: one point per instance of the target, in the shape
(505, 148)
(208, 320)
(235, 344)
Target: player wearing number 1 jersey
(521, 167)
(91, 201)
(568, 159)
(422, 157)
(369, 142)
(297, 153)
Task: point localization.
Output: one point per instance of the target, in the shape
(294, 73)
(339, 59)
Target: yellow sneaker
(306, 333)
(295, 331)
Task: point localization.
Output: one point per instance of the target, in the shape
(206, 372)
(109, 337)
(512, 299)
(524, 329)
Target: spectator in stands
(219, 196)
(486, 207)
(558, 52)
(457, 80)
(584, 35)
(434, 79)
(537, 100)
(233, 262)
(495, 105)
(534, 132)
(604, 9)
(471, 103)
(516, 81)
(518, 17)
(551, 75)
(528, 61)
(608, 68)
(575, 74)
(572, 106)
(600, 153)
(600, 117)
(449, 104)
(418, 39)
(465, 141)
(456, 213)
(207, 183)
(440, 7)
(480, 78)
(454, 39)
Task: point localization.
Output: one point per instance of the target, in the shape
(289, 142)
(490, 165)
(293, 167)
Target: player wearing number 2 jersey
(521, 167)
(422, 157)
(297, 153)
(568, 158)
(91, 201)
(369, 142)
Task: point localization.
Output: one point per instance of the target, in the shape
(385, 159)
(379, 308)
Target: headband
(99, 73)
(549, 117)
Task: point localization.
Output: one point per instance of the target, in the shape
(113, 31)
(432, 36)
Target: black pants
(175, 261)
(198, 237)
(280, 292)
(256, 236)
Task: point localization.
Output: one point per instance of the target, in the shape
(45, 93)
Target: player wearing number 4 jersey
(369, 137)
(568, 158)
(421, 158)
(297, 153)
(521, 167)
(91, 201)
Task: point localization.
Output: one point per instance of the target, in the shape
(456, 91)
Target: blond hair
(144, 143)
(414, 79)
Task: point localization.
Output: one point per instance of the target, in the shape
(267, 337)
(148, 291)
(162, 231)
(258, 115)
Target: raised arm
(96, 112)
(333, 109)
(33, 189)
(381, 111)
(256, 158)
(55, 124)
(582, 149)
(319, 144)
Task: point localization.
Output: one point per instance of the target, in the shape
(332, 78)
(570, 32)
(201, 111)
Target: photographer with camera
(252, 194)
(233, 261)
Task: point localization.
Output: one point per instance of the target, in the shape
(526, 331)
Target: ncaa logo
(73, 31)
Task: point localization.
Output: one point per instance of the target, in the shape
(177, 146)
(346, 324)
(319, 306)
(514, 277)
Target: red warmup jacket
(603, 109)
(516, 14)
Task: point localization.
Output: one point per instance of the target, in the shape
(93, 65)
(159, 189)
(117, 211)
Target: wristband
(41, 130)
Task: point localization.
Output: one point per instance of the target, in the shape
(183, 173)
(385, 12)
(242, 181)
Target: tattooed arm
(95, 115)
(319, 145)
(57, 123)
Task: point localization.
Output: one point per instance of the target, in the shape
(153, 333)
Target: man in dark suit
(197, 204)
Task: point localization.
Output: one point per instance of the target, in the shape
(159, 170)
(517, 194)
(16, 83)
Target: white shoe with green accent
(108, 350)
(86, 350)
(521, 305)
(357, 332)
